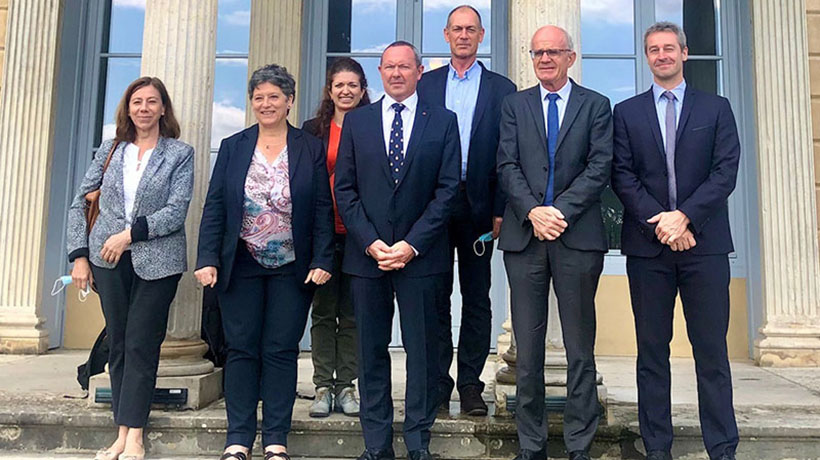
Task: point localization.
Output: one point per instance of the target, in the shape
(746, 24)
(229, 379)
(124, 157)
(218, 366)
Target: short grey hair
(462, 7)
(403, 43)
(665, 26)
(274, 74)
(568, 37)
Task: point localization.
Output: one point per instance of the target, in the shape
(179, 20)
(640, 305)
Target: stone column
(27, 105)
(525, 18)
(790, 263)
(276, 38)
(179, 47)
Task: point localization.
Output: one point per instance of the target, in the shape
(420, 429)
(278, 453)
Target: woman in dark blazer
(333, 329)
(135, 252)
(265, 242)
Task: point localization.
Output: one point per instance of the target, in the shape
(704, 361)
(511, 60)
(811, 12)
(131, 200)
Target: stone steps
(65, 427)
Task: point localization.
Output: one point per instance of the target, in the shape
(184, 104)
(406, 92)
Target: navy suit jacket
(416, 209)
(483, 193)
(310, 195)
(707, 153)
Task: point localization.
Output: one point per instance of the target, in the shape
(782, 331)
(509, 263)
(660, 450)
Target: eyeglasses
(551, 53)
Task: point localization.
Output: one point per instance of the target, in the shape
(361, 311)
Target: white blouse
(132, 170)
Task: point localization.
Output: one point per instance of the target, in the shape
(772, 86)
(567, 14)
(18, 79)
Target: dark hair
(403, 43)
(274, 74)
(326, 108)
(462, 7)
(168, 125)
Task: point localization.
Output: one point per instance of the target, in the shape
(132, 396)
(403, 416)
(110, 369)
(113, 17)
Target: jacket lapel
(376, 122)
(244, 156)
(577, 96)
(157, 157)
(651, 113)
(688, 101)
(534, 101)
(295, 143)
(419, 123)
(483, 97)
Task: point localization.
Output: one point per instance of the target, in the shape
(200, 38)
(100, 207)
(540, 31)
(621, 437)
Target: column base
(788, 346)
(202, 389)
(22, 333)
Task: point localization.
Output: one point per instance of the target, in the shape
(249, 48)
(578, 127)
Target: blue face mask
(479, 243)
(63, 281)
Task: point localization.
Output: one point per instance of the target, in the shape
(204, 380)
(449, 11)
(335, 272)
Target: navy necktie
(672, 183)
(396, 143)
(552, 142)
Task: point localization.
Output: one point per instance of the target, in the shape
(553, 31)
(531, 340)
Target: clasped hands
(391, 257)
(547, 222)
(672, 230)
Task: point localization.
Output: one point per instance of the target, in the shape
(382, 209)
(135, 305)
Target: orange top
(332, 150)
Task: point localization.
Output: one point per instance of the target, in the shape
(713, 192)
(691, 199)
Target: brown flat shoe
(106, 454)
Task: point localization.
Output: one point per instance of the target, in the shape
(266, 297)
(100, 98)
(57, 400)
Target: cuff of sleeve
(80, 252)
(414, 250)
(139, 229)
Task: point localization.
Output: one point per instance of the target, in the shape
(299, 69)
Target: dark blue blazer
(483, 193)
(416, 209)
(707, 153)
(310, 195)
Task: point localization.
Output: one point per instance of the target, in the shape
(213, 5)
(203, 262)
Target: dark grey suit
(574, 261)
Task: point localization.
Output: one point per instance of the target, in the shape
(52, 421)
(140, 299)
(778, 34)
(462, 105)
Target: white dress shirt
(408, 115)
(561, 102)
(132, 170)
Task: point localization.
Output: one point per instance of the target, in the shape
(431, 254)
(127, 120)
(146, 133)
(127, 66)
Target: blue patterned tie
(396, 143)
(552, 141)
(672, 183)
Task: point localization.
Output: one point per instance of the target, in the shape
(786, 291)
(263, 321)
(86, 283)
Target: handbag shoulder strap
(110, 154)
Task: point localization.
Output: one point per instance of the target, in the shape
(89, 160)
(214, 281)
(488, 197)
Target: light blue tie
(672, 183)
(552, 142)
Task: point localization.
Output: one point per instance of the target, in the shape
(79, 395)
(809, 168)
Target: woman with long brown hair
(135, 252)
(333, 330)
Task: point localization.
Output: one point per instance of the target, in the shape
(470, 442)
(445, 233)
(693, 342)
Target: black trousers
(574, 275)
(264, 313)
(136, 318)
(703, 283)
(373, 304)
(476, 316)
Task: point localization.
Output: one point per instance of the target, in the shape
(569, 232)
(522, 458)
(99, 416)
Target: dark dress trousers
(415, 210)
(573, 262)
(264, 310)
(707, 153)
(478, 201)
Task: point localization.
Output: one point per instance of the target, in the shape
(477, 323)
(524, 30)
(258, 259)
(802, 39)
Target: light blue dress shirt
(660, 105)
(461, 96)
(561, 102)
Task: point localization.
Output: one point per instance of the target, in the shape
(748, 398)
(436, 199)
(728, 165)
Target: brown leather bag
(92, 198)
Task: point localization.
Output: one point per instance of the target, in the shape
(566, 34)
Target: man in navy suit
(675, 164)
(396, 179)
(474, 93)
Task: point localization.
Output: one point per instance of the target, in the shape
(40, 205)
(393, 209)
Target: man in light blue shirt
(474, 93)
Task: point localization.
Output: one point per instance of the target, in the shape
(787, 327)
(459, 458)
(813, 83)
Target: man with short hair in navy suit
(675, 164)
(474, 93)
(396, 178)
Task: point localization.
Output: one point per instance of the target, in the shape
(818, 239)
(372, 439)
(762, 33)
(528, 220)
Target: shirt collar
(409, 104)
(563, 93)
(678, 91)
(473, 71)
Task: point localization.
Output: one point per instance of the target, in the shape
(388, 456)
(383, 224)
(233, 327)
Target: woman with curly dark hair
(333, 333)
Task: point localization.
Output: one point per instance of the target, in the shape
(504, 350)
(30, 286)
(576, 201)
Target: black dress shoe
(578, 455)
(727, 456)
(420, 454)
(525, 454)
(658, 455)
(378, 454)
(471, 401)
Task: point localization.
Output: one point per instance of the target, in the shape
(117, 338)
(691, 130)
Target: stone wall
(813, 20)
(4, 15)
